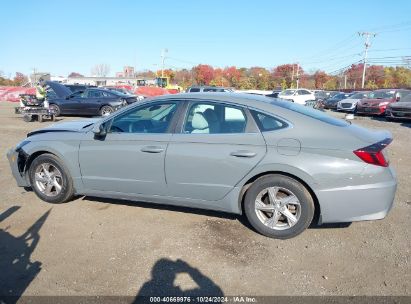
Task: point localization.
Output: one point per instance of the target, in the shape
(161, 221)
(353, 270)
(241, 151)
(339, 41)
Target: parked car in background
(331, 103)
(274, 94)
(201, 89)
(321, 95)
(121, 90)
(300, 96)
(126, 92)
(230, 152)
(92, 101)
(350, 104)
(378, 100)
(399, 110)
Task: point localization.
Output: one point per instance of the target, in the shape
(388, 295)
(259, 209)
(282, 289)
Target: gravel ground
(102, 247)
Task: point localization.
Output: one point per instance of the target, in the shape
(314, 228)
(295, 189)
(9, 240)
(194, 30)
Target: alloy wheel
(48, 179)
(277, 208)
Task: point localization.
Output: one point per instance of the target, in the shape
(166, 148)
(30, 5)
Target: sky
(64, 36)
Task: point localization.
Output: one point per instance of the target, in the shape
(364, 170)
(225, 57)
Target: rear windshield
(310, 112)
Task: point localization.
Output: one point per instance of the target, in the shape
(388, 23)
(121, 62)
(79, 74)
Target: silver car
(350, 104)
(281, 164)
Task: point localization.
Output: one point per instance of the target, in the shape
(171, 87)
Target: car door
(130, 158)
(70, 104)
(218, 144)
(92, 102)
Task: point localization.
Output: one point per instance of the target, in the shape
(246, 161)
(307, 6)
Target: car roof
(207, 87)
(251, 100)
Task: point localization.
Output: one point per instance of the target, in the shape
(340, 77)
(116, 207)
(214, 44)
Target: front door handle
(152, 149)
(243, 153)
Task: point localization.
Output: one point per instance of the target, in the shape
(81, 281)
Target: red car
(378, 100)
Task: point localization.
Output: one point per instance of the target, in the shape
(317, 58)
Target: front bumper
(359, 202)
(371, 110)
(346, 108)
(14, 157)
(398, 114)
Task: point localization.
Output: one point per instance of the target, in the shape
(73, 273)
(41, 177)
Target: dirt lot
(95, 247)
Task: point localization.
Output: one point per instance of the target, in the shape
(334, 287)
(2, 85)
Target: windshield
(382, 94)
(310, 112)
(340, 96)
(359, 95)
(288, 92)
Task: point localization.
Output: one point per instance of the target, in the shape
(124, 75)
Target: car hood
(373, 101)
(68, 126)
(400, 104)
(350, 100)
(60, 90)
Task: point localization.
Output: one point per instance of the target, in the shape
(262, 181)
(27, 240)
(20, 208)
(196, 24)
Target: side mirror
(99, 129)
(397, 98)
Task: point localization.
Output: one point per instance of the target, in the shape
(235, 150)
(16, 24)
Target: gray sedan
(281, 164)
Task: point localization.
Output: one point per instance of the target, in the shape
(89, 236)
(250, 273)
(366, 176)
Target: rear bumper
(13, 157)
(357, 203)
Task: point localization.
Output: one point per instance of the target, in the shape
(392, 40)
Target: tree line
(281, 77)
(286, 76)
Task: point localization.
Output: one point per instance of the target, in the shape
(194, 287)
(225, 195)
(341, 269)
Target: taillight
(373, 154)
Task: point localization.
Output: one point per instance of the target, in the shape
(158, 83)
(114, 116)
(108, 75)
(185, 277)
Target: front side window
(194, 90)
(154, 118)
(212, 118)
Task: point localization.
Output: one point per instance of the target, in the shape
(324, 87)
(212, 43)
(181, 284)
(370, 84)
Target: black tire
(67, 189)
(277, 180)
(106, 109)
(28, 118)
(55, 109)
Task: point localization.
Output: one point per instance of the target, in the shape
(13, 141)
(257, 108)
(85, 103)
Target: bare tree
(101, 70)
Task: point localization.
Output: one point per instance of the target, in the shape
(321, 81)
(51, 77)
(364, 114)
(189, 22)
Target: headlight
(21, 144)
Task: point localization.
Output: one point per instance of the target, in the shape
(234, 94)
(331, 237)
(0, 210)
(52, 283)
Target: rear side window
(214, 118)
(194, 90)
(267, 123)
(310, 112)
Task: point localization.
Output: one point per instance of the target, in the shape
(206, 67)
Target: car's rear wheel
(278, 206)
(50, 179)
(106, 110)
(55, 109)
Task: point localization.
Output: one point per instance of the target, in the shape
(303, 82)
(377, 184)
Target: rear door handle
(243, 153)
(152, 149)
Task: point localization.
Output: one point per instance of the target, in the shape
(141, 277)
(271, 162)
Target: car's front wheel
(278, 206)
(50, 179)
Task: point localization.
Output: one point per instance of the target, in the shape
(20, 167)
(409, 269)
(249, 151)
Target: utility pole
(298, 77)
(35, 77)
(367, 46)
(345, 81)
(163, 57)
